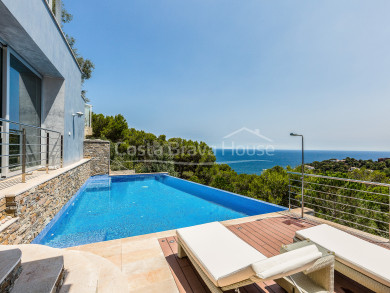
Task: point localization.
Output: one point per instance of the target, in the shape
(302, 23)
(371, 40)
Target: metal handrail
(339, 195)
(344, 204)
(342, 179)
(373, 209)
(45, 149)
(354, 223)
(27, 125)
(339, 187)
(360, 216)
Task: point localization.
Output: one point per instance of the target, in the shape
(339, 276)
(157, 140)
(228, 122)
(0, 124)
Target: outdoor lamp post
(303, 170)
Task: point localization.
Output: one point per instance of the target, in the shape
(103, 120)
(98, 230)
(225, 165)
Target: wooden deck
(267, 236)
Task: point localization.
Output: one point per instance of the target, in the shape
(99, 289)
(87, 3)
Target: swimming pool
(113, 207)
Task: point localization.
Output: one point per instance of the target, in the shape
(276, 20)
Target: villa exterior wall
(99, 152)
(36, 207)
(30, 29)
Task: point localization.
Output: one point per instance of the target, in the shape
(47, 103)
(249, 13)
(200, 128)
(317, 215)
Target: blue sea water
(254, 162)
(109, 208)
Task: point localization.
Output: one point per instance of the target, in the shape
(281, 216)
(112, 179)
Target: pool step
(48, 270)
(10, 267)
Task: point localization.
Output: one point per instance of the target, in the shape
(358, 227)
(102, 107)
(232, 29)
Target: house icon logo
(247, 142)
(255, 132)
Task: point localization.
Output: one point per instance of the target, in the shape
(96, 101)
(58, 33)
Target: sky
(202, 69)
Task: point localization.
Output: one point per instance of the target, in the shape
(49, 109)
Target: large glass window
(24, 107)
(1, 81)
(25, 94)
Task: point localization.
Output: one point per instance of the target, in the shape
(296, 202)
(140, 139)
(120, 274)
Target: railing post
(62, 151)
(289, 194)
(302, 200)
(4, 149)
(303, 174)
(24, 155)
(47, 152)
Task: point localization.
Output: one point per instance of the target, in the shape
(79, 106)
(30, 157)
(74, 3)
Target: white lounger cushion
(358, 253)
(286, 262)
(225, 258)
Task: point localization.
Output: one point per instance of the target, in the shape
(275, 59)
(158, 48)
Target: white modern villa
(68, 224)
(40, 81)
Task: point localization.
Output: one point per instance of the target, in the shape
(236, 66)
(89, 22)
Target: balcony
(27, 148)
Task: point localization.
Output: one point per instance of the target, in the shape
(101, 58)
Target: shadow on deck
(265, 235)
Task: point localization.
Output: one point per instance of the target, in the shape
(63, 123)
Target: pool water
(109, 208)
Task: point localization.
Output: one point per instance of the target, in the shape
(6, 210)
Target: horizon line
(329, 150)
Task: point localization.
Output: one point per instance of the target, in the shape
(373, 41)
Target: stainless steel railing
(362, 205)
(26, 148)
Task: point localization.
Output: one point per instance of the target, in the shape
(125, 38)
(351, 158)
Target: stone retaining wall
(99, 152)
(9, 281)
(2, 208)
(37, 206)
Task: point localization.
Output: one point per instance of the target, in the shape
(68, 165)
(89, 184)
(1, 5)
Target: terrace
(141, 258)
(149, 262)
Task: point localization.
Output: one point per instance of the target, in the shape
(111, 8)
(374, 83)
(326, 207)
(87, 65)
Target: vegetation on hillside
(350, 164)
(338, 201)
(86, 65)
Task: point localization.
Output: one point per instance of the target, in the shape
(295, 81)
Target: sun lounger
(225, 262)
(360, 260)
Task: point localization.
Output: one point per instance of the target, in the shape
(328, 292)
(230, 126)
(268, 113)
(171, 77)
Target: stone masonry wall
(37, 206)
(99, 152)
(2, 208)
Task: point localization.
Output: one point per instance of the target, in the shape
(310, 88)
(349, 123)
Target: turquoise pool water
(109, 208)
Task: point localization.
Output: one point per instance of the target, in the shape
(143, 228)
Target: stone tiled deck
(140, 258)
(151, 264)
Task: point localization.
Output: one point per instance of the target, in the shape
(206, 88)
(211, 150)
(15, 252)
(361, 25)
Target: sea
(256, 161)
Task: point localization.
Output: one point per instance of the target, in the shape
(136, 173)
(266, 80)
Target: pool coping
(43, 178)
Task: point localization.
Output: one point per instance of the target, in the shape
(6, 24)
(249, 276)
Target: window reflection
(24, 107)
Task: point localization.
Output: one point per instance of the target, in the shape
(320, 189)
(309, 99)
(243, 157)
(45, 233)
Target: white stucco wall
(29, 28)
